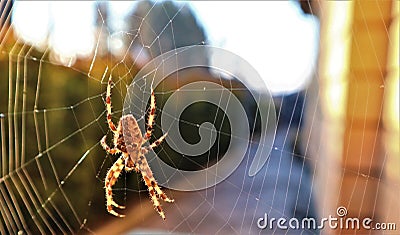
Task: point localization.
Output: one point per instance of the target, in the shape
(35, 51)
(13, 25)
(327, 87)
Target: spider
(129, 141)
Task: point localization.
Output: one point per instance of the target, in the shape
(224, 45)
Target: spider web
(53, 117)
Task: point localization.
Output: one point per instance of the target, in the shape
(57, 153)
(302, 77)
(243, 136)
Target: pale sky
(273, 36)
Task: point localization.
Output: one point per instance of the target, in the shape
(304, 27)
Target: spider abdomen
(130, 137)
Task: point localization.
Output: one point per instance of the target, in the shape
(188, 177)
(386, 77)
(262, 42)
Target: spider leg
(152, 185)
(160, 193)
(111, 179)
(154, 144)
(108, 106)
(151, 117)
(127, 169)
(106, 147)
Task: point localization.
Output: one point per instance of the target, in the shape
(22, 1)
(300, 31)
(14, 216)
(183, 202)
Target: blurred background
(332, 69)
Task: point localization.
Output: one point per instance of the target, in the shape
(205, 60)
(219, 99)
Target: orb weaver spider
(128, 142)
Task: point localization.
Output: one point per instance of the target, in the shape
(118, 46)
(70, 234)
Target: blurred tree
(139, 13)
(166, 26)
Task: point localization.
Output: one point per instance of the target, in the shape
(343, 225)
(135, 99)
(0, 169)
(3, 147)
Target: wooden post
(357, 163)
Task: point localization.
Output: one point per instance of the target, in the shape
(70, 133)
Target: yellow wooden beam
(362, 156)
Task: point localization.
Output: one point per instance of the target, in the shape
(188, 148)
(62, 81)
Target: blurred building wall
(352, 125)
(390, 206)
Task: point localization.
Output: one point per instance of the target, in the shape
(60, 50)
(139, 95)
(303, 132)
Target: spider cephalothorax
(129, 141)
